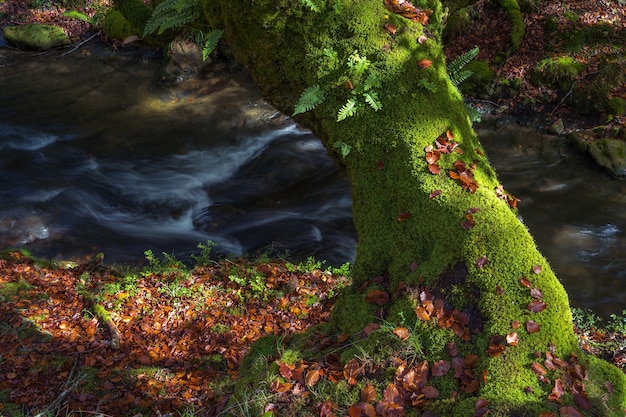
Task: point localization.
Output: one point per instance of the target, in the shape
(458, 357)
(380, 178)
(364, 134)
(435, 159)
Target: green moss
(36, 36)
(617, 106)
(135, 11)
(481, 79)
(116, 26)
(515, 16)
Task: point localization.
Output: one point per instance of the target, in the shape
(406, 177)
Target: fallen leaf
(434, 194)
(434, 169)
(378, 297)
(532, 327)
(512, 339)
(569, 411)
(405, 215)
(536, 293)
(351, 371)
(402, 332)
(536, 306)
(391, 28)
(368, 393)
(525, 282)
(312, 377)
(430, 392)
(537, 269)
(440, 368)
(480, 262)
(425, 63)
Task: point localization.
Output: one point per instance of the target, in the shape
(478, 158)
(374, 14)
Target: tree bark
(434, 225)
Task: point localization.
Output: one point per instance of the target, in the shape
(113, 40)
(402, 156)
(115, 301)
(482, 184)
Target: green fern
(309, 99)
(349, 109)
(342, 148)
(333, 58)
(314, 5)
(357, 65)
(208, 42)
(372, 99)
(171, 14)
(454, 68)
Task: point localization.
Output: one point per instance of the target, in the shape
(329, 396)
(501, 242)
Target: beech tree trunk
(440, 247)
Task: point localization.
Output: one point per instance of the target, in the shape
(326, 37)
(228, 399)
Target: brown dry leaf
(569, 411)
(425, 63)
(434, 194)
(434, 169)
(536, 306)
(312, 377)
(391, 28)
(402, 332)
(405, 215)
(537, 269)
(440, 368)
(430, 392)
(525, 282)
(378, 297)
(536, 293)
(557, 391)
(368, 393)
(351, 371)
(532, 327)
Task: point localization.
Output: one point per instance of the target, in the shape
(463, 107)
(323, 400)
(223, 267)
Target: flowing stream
(97, 156)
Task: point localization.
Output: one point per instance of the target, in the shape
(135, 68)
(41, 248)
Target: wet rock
(36, 37)
(558, 127)
(184, 61)
(611, 154)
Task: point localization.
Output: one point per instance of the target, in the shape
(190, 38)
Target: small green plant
(204, 257)
(169, 265)
(456, 69)
(171, 14)
(617, 323)
(585, 320)
(361, 79)
(314, 5)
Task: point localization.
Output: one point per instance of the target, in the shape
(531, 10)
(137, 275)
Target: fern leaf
(372, 99)
(211, 42)
(460, 76)
(372, 81)
(333, 58)
(309, 99)
(171, 14)
(461, 61)
(348, 109)
(73, 14)
(358, 64)
(314, 5)
(342, 148)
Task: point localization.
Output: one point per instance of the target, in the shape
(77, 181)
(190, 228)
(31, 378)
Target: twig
(70, 386)
(79, 45)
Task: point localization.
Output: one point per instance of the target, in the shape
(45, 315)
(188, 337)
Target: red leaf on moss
(581, 400)
(369, 328)
(536, 306)
(378, 297)
(440, 368)
(525, 282)
(557, 391)
(515, 324)
(312, 377)
(368, 393)
(532, 327)
(480, 262)
(537, 269)
(402, 333)
(425, 63)
(351, 371)
(405, 215)
(434, 194)
(452, 349)
(391, 28)
(434, 169)
(430, 392)
(569, 411)
(536, 293)
(380, 165)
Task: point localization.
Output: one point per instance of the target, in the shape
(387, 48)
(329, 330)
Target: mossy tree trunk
(450, 235)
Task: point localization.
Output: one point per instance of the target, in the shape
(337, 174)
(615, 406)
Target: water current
(97, 156)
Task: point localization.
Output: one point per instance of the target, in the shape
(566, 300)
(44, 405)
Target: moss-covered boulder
(611, 154)
(36, 37)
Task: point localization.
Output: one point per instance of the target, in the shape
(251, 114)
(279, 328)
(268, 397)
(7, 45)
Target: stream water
(97, 156)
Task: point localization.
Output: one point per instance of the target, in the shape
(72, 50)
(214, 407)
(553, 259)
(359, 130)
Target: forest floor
(169, 339)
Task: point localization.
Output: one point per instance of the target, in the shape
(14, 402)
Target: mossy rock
(611, 154)
(116, 26)
(559, 72)
(36, 37)
(616, 106)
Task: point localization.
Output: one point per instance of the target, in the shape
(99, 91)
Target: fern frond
(475, 115)
(333, 57)
(348, 109)
(460, 76)
(171, 14)
(461, 61)
(210, 42)
(371, 98)
(372, 81)
(309, 99)
(358, 64)
(314, 5)
(73, 14)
